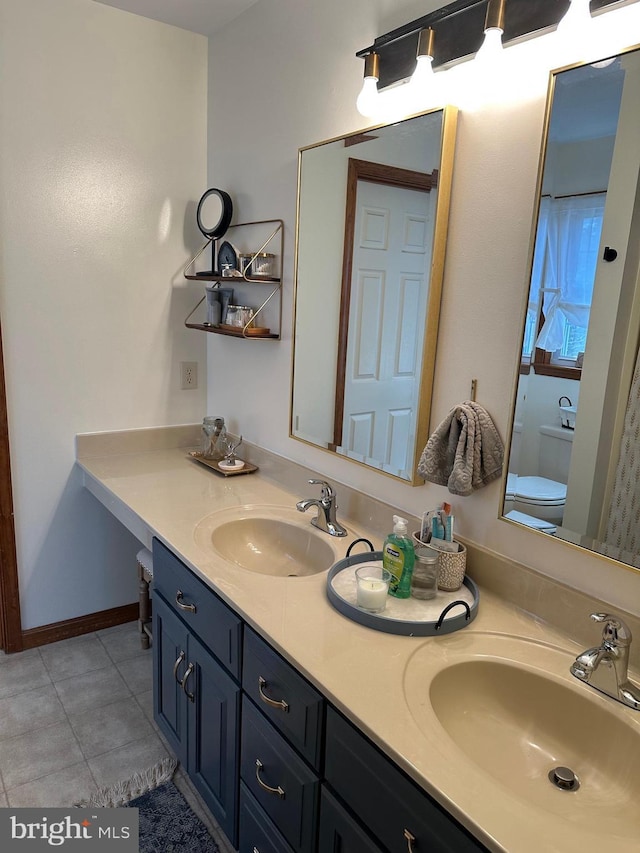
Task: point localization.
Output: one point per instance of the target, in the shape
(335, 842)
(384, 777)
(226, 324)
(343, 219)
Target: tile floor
(75, 716)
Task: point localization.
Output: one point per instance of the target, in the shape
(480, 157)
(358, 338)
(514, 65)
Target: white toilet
(540, 497)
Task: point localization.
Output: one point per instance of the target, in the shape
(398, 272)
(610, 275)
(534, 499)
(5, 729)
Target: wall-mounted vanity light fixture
(461, 30)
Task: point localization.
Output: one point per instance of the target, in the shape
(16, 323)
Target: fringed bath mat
(168, 824)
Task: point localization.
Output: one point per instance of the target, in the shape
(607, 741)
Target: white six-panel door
(389, 290)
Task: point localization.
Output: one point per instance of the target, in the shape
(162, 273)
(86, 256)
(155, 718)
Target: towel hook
(474, 389)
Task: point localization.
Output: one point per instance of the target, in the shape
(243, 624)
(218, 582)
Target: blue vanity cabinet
(395, 811)
(280, 770)
(197, 704)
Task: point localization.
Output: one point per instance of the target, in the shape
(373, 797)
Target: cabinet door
(214, 739)
(339, 831)
(398, 814)
(170, 651)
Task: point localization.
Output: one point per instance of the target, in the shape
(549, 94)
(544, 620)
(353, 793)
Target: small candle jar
(372, 588)
(264, 264)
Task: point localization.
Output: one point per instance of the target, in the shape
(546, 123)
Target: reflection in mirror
(371, 233)
(575, 442)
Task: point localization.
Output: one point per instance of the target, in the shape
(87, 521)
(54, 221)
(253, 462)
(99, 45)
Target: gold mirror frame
(337, 289)
(579, 540)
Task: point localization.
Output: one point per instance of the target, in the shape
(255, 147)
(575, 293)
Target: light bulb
(490, 53)
(576, 32)
(423, 76)
(367, 100)
(576, 19)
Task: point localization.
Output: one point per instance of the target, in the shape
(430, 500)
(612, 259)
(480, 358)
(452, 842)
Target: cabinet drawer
(281, 782)
(284, 696)
(388, 803)
(257, 833)
(199, 607)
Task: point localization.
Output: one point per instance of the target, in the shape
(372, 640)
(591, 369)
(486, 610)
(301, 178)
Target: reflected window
(563, 274)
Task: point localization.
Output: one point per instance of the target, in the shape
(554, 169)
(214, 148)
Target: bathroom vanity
(303, 730)
(259, 741)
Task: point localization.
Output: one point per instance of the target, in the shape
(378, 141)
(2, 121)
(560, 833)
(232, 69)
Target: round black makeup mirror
(213, 216)
(214, 213)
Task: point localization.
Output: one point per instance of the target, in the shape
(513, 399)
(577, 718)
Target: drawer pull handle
(282, 705)
(183, 683)
(176, 665)
(190, 607)
(255, 850)
(263, 785)
(411, 840)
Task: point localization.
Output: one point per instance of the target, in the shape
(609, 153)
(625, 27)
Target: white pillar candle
(372, 586)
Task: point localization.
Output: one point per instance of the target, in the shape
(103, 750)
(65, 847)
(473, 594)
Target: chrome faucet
(606, 667)
(327, 506)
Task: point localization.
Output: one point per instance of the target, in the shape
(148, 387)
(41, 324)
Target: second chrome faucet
(605, 667)
(327, 506)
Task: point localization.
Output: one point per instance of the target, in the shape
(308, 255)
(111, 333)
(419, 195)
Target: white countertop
(361, 671)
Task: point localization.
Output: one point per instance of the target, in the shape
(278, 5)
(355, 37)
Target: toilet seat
(540, 491)
(531, 521)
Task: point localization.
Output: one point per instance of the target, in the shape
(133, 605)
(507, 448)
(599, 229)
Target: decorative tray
(412, 617)
(214, 464)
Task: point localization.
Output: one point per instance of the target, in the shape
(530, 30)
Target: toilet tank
(556, 444)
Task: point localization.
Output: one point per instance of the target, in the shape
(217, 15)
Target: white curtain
(573, 226)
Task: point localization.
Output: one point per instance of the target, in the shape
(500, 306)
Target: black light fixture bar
(459, 30)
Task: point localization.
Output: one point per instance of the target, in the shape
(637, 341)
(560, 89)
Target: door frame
(377, 173)
(11, 638)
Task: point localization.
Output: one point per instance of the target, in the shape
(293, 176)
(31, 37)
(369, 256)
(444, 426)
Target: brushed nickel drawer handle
(190, 607)
(185, 678)
(411, 840)
(278, 790)
(176, 665)
(281, 705)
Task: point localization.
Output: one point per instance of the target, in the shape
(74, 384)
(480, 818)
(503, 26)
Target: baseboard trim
(45, 634)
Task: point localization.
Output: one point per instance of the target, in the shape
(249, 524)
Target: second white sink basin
(277, 541)
(514, 712)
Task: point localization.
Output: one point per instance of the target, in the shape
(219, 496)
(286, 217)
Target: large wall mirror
(371, 233)
(574, 455)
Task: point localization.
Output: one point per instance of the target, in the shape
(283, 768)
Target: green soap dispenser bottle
(398, 557)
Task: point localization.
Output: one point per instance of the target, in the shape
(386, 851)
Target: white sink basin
(511, 710)
(277, 541)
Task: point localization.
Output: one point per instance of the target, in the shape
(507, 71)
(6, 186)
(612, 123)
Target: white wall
(296, 84)
(102, 159)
